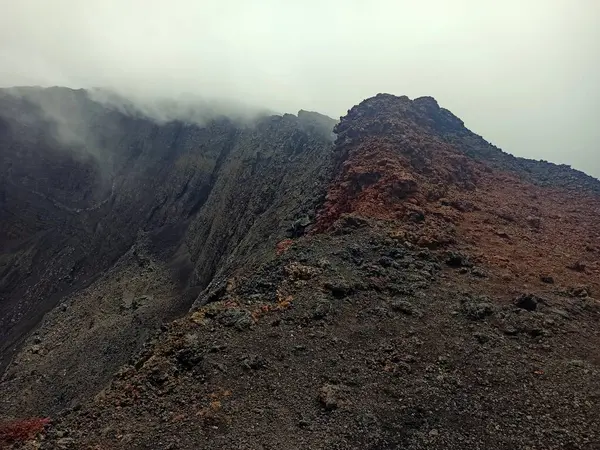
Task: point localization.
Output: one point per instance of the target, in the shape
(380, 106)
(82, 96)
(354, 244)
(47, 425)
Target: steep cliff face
(85, 186)
(409, 286)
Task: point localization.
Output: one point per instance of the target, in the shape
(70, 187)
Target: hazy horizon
(524, 75)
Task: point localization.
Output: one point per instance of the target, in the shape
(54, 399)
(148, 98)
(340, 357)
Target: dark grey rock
(528, 302)
(404, 307)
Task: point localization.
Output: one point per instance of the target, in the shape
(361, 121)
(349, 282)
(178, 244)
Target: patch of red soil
(282, 246)
(21, 430)
(531, 235)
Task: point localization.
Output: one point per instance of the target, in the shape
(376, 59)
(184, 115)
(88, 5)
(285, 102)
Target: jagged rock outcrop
(414, 163)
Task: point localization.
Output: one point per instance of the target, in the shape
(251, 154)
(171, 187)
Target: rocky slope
(166, 207)
(410, 286)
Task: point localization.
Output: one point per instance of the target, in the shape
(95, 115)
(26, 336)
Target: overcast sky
(525, 74)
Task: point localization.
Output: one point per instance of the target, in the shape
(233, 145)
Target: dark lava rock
(240, 318)
(416, 216)
(322, 310)
(348, 223)
(456, 259)
(478, 272)
(577, 266)
(534, 222)
(253, 362)
(396, 252)
(189, 357)
(404, 307)
(460, 205)
(526, 301)
(386, 261)
(339, 288)
(482, 338)
(331, 397)
(477, 309)
(298, 227)
(579, 291)
(547, 279)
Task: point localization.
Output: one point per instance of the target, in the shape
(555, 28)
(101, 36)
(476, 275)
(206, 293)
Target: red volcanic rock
(19, 431)
(413, 164)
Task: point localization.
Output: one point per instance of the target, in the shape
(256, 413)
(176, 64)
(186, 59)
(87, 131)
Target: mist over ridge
(523, 76)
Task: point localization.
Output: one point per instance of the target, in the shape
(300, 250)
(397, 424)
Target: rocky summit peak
(428, 102)
(404, 285)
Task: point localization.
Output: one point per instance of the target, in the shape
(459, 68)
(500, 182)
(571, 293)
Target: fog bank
(522, 74)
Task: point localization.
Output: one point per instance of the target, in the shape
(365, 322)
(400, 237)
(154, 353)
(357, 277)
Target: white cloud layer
(525, 74)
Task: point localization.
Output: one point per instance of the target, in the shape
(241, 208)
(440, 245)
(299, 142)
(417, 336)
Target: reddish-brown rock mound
(414, 164)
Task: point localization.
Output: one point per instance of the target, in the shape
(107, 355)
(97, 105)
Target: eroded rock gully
(99, 206)
(433, 292)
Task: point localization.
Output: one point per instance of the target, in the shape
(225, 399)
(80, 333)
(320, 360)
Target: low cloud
(192, 108)
(522, 74)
